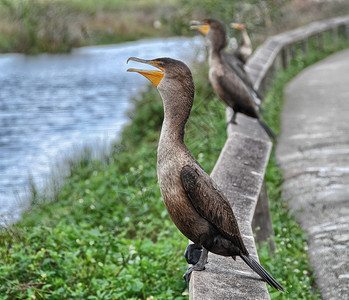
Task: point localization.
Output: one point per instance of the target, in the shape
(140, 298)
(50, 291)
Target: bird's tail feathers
(259, 95)
(267, 129)
(255, 266)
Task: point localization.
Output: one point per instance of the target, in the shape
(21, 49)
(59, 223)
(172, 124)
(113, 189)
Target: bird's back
(231, 89)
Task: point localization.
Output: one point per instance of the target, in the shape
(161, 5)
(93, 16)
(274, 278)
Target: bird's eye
(161, 64)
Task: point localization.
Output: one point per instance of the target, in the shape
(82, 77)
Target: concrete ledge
(239, 172)
(267, 53)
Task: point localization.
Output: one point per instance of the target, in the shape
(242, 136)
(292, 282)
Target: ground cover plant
(36, 26)
(108, 235)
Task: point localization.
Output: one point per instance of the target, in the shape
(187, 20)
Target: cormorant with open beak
(197, 207)
(229, 82)
(244, 51)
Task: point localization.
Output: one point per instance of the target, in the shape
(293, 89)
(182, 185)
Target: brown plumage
(235, 63)
(197, 207)
(244, 50)
(235, 91)
(238, 67)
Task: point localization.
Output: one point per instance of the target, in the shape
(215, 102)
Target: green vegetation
(35, 26)
(108, 235)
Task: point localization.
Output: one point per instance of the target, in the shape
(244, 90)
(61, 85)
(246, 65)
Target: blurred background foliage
(33, 26)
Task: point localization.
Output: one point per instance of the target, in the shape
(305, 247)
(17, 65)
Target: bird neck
(217, 45)
(172, 130)
(215, 56)
(177, 108)
(245, 38)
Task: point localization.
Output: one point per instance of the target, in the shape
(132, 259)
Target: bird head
(172, 77)
(213, 29)
(154, 76)
(202, 26)
(238, 26)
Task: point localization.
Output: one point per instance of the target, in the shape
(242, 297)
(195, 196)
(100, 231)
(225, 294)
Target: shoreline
(37, 185)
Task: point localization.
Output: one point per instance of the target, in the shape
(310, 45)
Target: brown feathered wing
(212, 205)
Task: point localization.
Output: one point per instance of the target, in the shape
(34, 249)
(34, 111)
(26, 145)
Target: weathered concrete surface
(313, 151)
(239, 172)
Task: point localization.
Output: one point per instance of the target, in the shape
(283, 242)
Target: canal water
(51, 105)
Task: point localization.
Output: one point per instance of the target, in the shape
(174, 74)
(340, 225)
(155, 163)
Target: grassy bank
(35, 26)
(108, 235)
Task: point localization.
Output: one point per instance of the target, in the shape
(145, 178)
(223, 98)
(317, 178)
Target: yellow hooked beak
(237, 26)
(154, 76)
(202, 27)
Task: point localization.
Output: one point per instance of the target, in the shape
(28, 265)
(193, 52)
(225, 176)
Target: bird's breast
(176, 200)
(214, 76)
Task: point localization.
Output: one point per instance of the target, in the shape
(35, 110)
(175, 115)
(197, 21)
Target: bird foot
(231, 122)
(199, 266)
(187, 274)
(192, 254)
(233, 119)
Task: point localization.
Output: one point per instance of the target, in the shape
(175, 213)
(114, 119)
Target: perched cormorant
(244, 51)
(197, 207)
(235, 62)
(238, 67)
(226, 80)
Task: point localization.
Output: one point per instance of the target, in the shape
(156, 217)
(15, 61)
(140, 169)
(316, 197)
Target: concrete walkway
(313, 151)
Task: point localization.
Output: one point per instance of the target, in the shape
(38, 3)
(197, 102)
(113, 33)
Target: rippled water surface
(49, 104)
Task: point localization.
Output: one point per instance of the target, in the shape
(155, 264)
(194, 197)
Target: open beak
(202, 27)
(237, 26)
(154, 76)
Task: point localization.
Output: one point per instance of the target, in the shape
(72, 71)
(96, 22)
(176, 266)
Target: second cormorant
(226, 82)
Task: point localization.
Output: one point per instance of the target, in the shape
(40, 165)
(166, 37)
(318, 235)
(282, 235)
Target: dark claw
(234, 122)
(226, 124)
(187, 274)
